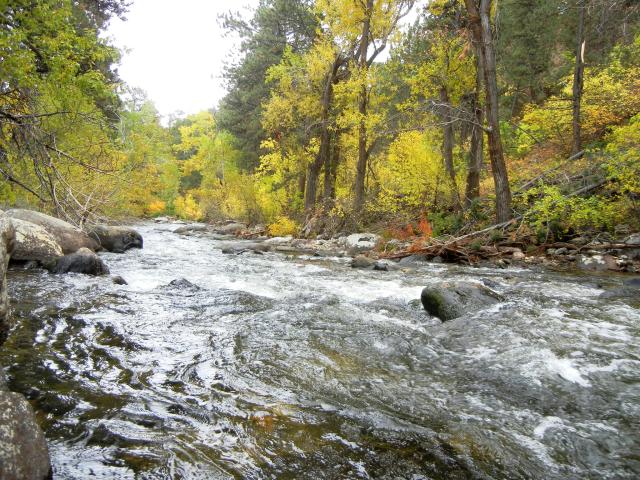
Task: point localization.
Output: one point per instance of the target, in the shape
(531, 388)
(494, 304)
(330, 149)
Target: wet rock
(7, 243)
(183, 283)
(596, 263)
(633, 253)
(630, 290)
(33, 242)
(188, 229)
(385, 266)
(118, 280)
(562, 251)
(83, 261)
(232, 228)
(68, 237)
(632, 283)
(359, 242)
(241, 247)
(412, 260)
(579, 241)
(452, 300)
(23, 450)
(116, 239)
(279, 240)
(519, 255)
(363, 262)
(633, 239)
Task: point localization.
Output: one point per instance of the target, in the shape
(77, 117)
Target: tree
(480, 24)
(578, 79)
(57, 105)
(277, 25)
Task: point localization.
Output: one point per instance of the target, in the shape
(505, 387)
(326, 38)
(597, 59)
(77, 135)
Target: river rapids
(274, 366)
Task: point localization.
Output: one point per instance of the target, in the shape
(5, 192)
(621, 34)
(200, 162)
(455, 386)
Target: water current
(275, 366)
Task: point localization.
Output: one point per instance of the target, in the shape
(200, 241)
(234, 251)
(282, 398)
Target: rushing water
(283, 367)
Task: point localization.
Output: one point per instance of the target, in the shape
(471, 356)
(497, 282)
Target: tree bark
(330, 170)
(447, 143)
(476, 152)
(578, 80)
(324, 152)
(480, 21)
(363, 154)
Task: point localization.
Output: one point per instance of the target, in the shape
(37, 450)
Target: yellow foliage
(187, 208)
(412, 174)
(282, 227)
(156, 207)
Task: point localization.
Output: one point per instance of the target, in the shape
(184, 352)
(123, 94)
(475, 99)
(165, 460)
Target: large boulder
(83, 261)
(23, 449)
(452, 300)
(70, 238)
(33, 242)
(597, 263)
(116, 239)
(360, 242)
(633, 253)
(7, 242)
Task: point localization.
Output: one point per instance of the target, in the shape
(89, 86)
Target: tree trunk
(476, 152)
(361, 168)
(578, 81)
(313, 173)
(480, 20)
(330, 170)
(447, 144)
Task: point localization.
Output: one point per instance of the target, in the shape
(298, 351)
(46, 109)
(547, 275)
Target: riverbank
(267, 364)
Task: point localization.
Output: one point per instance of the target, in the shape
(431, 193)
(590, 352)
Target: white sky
(176, 50)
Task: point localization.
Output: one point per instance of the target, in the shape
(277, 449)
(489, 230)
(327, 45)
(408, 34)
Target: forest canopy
(339, 115)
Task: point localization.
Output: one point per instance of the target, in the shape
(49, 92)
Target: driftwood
(460, 248)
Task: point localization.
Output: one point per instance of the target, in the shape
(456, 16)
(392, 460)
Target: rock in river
(7, 235)
(360, 242)
(83, 261)
(33, 242)
(116, 239)
(68, 237)
(452, 300)
(23, 450)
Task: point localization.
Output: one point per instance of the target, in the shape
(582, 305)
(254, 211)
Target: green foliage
(554, 212)
(445, 223)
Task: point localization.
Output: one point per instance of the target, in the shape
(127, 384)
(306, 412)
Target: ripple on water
(276, 367)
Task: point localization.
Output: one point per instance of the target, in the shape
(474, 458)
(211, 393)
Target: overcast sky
(176, 50)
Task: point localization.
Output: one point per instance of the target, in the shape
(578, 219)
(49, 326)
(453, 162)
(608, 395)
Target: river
(273, 366)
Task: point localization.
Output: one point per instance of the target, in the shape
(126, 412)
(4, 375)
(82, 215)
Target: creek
(275, 366)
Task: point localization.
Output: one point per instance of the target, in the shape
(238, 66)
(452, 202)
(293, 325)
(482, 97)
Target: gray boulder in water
(23, 449)
(33, 242)
(452, 300)
(7, 242)
(83, 261)
(70, 238)
(116, 239)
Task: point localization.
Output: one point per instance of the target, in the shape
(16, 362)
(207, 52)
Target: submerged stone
(452, 300)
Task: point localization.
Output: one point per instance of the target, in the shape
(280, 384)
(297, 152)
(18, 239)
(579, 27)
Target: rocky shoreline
(34, 240)
(31, 239)
(369, 250)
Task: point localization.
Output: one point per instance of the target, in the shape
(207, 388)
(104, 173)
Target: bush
(282, 227)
